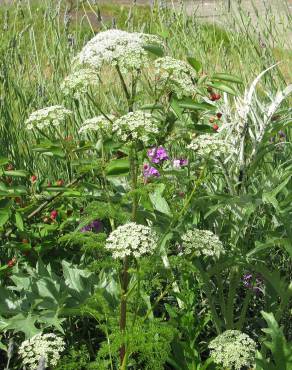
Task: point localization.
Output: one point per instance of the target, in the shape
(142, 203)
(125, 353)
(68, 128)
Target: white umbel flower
(211, 145)
(79, 81)
(45, 117)
(136, 125)
(131, 239)
(98, 124)
(233, 349)
(46, 346)
(202, 243)
(116, 47)
(175, 75)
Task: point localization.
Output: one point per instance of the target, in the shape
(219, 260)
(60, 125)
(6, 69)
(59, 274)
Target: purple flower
(253, 283)
(149, 171)
(94, 226)
(178, 163)
(157, 155)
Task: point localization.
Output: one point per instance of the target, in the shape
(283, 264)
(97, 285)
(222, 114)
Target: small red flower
(17, 200)
(215, 127)
(60, 182)
(218, 96)
(49, 184)
(54, 214)
(33, 178)
(219, 115)
(12, 262)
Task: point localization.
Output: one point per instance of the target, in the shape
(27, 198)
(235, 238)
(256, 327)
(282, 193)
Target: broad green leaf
(24, 324)
(154, 49)
(223, 87)
(118, 167)
(158, 201)
(196, 64)
(4, 216)
(19, 221)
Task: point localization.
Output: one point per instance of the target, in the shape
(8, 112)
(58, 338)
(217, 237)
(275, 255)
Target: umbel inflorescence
(79, 81)
(101, 124)
(233, 350)
(131, 239)
(136, 126)
(202, 243)
(211, 145)
(116, 48)
(45, 117)
(41, 346)
(175, 75)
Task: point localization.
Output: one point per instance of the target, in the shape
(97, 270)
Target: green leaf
(154, 49)
(223, 87)
(226, 77)
(16, 173)
(158, 201)
(3, 161)
(194, 105)
(197, 65)
(118, 167)
(21, 323)
(4, 216)
(19, 221)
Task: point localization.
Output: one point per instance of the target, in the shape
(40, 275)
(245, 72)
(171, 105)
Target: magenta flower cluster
(94, 226)
(158, 155)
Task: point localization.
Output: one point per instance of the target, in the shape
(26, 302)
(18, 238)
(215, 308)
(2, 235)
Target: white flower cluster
(45, 117)
(79, 81)
(136, 125)
(175, 75)
(46, 346)
(202, 243)
(233, 349)
(116, 47)
(131, 239)
(211, 145)
(98, 124)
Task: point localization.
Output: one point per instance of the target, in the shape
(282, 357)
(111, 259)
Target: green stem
(233, 282)
(123, 310)
(243, 313)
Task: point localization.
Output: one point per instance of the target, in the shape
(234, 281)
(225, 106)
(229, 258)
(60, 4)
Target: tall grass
(38, 39)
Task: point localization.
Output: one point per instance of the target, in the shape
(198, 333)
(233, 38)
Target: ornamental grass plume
(233, 350)
(202, 243)
(175, 75)
(116, 48)
(131, 239)
(99, 124)
(41, 347)
(136, 126)
(45, 117)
